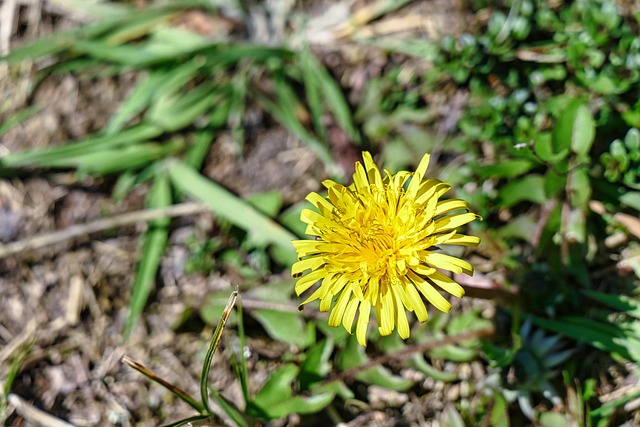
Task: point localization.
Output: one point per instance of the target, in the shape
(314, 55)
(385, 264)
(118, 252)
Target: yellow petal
(350, 314)
(450, 205)
(449, 263)
(363, 322)
(311, 263)
(309, 280)
(430, 293)
(338, 311)
(454, 221)
(403, 324)
(447, 283)
(462, 240)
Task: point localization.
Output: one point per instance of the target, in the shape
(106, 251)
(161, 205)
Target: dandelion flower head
(377, 247)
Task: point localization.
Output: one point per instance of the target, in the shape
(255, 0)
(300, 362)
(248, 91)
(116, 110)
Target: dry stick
(75, 231)
(409, 350)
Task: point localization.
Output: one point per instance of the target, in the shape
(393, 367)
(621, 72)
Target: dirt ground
(70, 299)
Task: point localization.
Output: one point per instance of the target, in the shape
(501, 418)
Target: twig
(75, 231)
(411, 349)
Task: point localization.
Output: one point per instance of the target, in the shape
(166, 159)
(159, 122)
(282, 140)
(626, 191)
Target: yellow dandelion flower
(376, 247)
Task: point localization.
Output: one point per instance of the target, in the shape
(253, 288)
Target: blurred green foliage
(538, 131)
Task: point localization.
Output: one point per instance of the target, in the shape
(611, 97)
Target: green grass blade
(95, 10)
(229, 206)
(48, 156)
(332, 92)
(116, 160)
(236, 415)
(620, 303)
(603, 336)
(154, 242)
(196, 420)
(137, 100)
(283, 112)
(198, 150)
(126, 28)
(175, 111)
(176, 391)
(17, 118)
(213, 346)
(243, 371)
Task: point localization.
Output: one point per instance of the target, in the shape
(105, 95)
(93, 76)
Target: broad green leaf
(553, 419)
(454, 353)
(630, 198)
(528, 188)
(505, 169)
(316, 365)
(153, 245)
(575, 129)
(284, 326)
(499, 416)
(299, 405)
(353, 355)
(277, 388)
(544, 148)
(418, 363)
(229, 206)
(336, 387)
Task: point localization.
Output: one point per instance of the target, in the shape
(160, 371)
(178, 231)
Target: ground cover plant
(155, 161)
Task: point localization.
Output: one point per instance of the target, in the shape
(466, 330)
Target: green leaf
(332, 92)
(454, 353)
(268, 202)
(354, 355)
(608, 337)
(528, 188)
(499, 416)
(229, 206)
(277, 388)
(630, 199)
(505, 169)
(154, 242)
(174, 111)
(299, 405)
(116, 160)
(575, 129)
(627, 305)
(285, 326)
(94, 10)
(18, 117)
(553, 419)
(63, 155)
(316, 365)
(418, 363)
